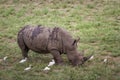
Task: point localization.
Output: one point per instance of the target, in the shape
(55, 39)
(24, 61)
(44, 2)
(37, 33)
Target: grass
(96, 22)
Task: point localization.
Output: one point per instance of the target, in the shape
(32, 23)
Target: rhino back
(36, 38)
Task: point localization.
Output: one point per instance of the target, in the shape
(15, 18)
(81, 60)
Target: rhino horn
(86, 58)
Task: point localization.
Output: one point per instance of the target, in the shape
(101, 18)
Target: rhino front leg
(57, 57)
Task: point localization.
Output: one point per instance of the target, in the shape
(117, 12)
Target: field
(96, 22)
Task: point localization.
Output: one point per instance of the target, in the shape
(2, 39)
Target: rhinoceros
(55, 40)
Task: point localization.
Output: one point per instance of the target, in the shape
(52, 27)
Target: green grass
(96, 22)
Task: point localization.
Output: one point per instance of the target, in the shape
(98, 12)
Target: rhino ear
(76, 41)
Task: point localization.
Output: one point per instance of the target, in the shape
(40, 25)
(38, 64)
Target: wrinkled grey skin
(50, 40)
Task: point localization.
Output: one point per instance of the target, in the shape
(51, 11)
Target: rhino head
(78, 59)
(75, 57)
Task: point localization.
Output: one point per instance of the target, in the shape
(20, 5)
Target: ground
(96, 22)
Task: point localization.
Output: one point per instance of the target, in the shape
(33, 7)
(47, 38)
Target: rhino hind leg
(25, 52)
(23, 47)
(57, 57)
